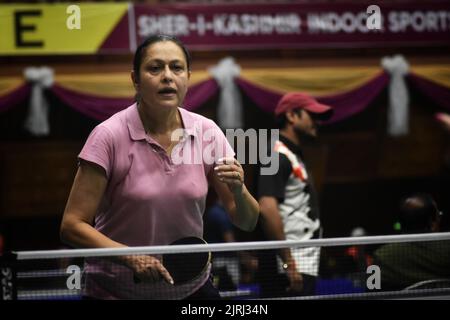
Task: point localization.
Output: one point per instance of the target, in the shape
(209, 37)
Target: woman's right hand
(147, 268)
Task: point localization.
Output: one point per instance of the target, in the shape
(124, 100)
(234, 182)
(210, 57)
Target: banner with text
(63, 28)
(298, 25)
(119, 28)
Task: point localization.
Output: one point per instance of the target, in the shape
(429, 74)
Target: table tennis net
(335, 268)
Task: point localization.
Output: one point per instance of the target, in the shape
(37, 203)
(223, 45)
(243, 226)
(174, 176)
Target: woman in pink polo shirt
(143, 178)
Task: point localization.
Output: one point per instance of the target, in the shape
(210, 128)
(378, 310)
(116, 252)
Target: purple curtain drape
(15, 97)
(434, 91)
(101, 108)
(345, 104)
(350, 103)
(265, 99)
(200, 93)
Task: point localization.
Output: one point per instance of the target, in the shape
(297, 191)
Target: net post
(8, 276)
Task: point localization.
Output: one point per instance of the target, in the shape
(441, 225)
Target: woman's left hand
(230, 171)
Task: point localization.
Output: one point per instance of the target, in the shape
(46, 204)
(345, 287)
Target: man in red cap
(288, 203)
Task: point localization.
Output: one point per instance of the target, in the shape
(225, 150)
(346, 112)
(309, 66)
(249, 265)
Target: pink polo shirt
(152, 198)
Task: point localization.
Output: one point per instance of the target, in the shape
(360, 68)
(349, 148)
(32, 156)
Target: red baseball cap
(300, 100)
